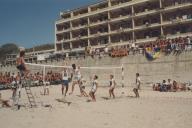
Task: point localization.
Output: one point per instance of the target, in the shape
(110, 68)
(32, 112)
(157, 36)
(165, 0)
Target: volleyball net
(103, 72)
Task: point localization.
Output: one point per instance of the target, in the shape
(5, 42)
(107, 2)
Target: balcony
(60, 28)
(123, 43)
(176, 21)
(121, 18)
(78, 49)
(65, 15)
(102, 11)
(147, 35)
(79, 27)
(144, 40)
(79, 44)
(172, 36)
(121, 30)
(177, 30)
(99, 34)
(99, 6)
(79, 38)
(171, 3)
(99, 41)
(63, 31)
(177, 6)
(119, 2)
(146, 26)
(80, 11)
(146, 12)
(98, 23)
(98, 18)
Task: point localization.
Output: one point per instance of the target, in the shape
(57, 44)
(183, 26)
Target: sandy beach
(151, 110)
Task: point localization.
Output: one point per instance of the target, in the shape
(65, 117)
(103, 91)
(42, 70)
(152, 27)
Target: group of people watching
(167, 46)
(169, 86)
(8, 79)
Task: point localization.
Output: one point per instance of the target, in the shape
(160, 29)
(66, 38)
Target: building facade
(29, 56)
(122, 22)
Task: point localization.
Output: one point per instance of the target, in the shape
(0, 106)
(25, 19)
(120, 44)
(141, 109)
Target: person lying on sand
(4, 102)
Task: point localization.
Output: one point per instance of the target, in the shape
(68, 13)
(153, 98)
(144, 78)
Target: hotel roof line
(84, 6)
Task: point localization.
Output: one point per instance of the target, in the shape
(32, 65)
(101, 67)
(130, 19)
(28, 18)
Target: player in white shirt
(76, 78)
(137, 86)
(65, 84)
(82, 87)
(94, 88)
(112, 85)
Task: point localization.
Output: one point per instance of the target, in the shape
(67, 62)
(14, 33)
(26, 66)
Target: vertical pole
(122, 75)
(44, 75)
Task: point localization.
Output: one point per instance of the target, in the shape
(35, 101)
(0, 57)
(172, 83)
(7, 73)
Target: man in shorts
(76, 78)
(21, 63)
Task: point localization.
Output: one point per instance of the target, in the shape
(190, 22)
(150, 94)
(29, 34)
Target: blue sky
(31, 22)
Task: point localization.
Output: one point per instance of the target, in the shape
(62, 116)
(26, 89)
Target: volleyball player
(65, 84)
(76, 78)
(112, 85)
(137, 86)
(94, 88)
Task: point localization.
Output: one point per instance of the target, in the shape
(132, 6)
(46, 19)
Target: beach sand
(151, 110)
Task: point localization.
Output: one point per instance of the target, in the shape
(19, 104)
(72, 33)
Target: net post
(122, 75)
(43, 75)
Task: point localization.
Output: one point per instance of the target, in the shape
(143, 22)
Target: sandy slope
(152, 110)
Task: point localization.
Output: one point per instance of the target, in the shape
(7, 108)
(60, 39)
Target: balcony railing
(145, 26)
(144, 40)
(63, 30)
(103, 10)
(98, 34)
(176, 21)
(98, 23)
(79, 27)
(176, 6)
(147, 12)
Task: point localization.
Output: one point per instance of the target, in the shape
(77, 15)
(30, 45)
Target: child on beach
(138, 83)
(94, 88)
(112, 85)
(82, 87)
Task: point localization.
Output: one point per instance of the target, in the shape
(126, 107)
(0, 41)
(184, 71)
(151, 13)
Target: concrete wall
(175, 67)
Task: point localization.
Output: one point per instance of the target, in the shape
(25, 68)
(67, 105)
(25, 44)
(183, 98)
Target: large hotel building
(122, 22)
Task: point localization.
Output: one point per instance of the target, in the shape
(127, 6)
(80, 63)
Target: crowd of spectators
(171, 86)
(9, 80)
(166, 46)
